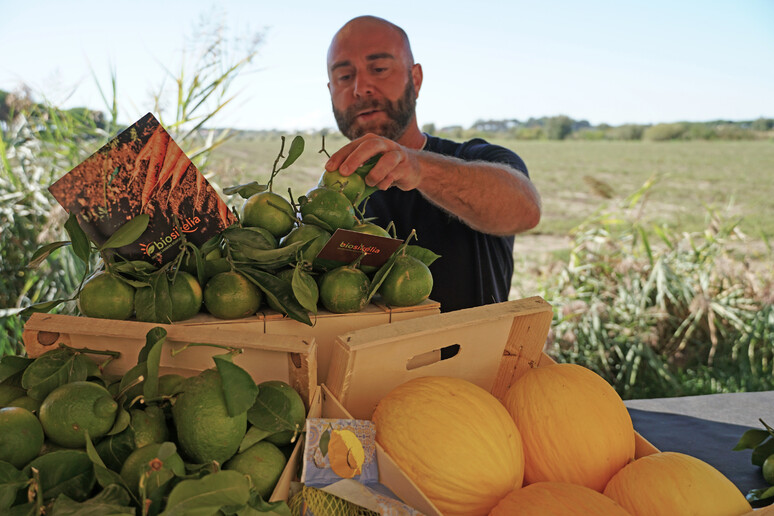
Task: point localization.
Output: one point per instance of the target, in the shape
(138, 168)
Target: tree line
(563, 127)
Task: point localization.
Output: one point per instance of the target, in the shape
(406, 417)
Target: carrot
(144, 153)
(199, 183)
(224, 212)
(173, 155)
(154, 165)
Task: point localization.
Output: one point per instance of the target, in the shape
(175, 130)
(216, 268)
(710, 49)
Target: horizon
(602, 61)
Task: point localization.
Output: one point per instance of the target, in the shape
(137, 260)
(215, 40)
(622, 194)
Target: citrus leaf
(127, 233)
(366, 167)
(259, 506)
(133, 375)
(238, 386)
(426, 256)
(43, 252)
(252, 436)
(314, 219)
(113, 500)
(206, 495)
(105, 477)
(280, 292)
(762, 452)
(43, 307)
(11, 480)
(305, 290)
(80, 242)
(250, 237)
(246, 190)
(46, 373)
(295, 151)
(750, 439)
(64, 471)
(115, 449)
(154, 342)
(382, 273)
(271, 411)
(12, 364)
(270, 258)
(756, 495)
(121, 423)
(325, 439)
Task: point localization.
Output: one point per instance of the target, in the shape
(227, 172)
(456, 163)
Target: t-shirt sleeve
(481, 150)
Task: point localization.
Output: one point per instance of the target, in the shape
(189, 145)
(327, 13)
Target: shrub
(663, 132)
(676, 316)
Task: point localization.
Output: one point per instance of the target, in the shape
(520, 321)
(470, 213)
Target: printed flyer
(143, 170)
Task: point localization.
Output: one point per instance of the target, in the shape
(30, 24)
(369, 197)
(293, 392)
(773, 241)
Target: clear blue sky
(600, 60)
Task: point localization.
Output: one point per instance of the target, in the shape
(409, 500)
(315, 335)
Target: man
(466, 201)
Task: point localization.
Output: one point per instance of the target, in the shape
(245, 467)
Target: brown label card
(345, 246)
(142, 170)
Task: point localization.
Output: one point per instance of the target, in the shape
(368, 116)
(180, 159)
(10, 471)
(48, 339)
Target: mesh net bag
(314, 502)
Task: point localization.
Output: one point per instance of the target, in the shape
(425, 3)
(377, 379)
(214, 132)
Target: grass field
(576, 178)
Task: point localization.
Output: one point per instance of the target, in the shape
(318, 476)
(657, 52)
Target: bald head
(372, 27)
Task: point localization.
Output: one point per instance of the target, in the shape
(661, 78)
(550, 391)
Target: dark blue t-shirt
(474, 268)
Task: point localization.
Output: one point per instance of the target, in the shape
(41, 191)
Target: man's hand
(398, 165)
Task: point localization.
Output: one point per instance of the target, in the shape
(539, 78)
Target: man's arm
(489, 197)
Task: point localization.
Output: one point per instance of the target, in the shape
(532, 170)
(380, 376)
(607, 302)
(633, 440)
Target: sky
(604, 61)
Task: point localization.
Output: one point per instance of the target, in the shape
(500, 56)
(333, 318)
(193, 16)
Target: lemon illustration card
(143, 171)
(340, 469)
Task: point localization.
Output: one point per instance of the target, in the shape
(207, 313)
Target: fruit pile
(268, 258)
(561, 442)
(75, 441)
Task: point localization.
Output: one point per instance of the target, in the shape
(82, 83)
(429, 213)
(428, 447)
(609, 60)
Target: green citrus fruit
(205, 431)
(304, 233)
(74, 407)
(170, 384)
(408, 283)
(352, 186)
(106, 297)
(263, 462)
(270, 211)
(26, 402)
(369, 228)
(229, 295)
(22, 436)
(8, 393)
(185, 294)
(296, 410)
(344, 290)
(149, 426)
(329, 206)
(768, 469)
(145, 461)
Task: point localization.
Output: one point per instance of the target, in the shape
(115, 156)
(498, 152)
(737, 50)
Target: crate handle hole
(432, 357)
(48, 338)
(295, 358)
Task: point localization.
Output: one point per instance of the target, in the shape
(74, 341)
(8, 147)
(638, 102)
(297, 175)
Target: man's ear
(416, 76)
(329, 87)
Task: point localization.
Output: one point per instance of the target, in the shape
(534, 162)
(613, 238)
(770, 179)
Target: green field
(576, 178)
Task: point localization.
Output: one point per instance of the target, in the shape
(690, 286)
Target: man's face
(373, 89)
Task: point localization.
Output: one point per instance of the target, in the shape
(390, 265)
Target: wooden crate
(491, 346)
(326, 326)
(288, 358)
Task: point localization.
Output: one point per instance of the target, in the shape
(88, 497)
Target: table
(707, 427)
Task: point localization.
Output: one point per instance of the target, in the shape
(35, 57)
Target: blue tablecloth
(707, 427)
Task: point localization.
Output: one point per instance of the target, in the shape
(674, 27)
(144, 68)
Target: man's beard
(399, 114)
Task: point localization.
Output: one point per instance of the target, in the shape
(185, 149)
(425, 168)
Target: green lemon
(263, 462)
(768, 469)
(408, 283)
(351, 186)
(205, 431)
(230, 295)
(344, 290)
(74, 407)
(106, 297)
(330, 207)
(21, 436)
(145, 461)
(269, 211)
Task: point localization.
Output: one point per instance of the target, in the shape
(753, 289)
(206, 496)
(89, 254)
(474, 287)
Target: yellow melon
(557, 499)
(454, 440)
(574, 425)
(675, 484)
